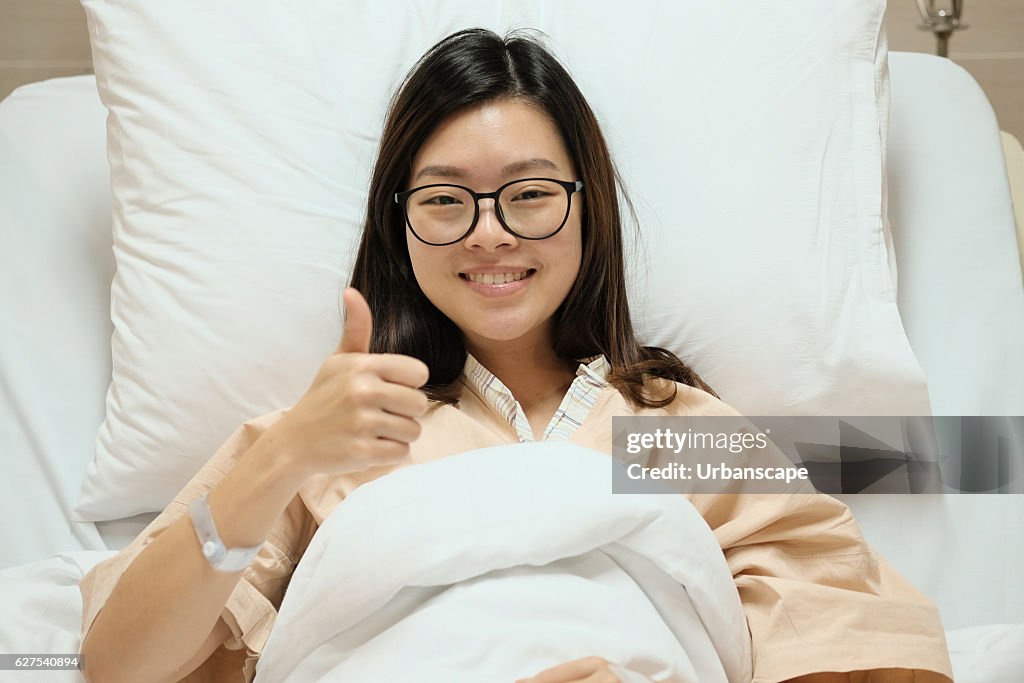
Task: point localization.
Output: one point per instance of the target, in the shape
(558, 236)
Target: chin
(499, 335)
(496, 331)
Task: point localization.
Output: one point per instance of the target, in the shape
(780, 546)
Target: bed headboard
(41, 39)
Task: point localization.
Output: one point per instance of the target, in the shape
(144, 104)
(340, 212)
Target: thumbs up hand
(362, 408)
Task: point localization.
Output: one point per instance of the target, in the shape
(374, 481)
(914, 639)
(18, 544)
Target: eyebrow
(515, 167)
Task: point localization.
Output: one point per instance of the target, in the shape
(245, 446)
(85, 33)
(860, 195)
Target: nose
(489, 234)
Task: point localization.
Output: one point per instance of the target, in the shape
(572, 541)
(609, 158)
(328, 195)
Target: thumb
(358, 323)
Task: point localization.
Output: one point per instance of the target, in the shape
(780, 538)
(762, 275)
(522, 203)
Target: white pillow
(55, 272)
(241, 140)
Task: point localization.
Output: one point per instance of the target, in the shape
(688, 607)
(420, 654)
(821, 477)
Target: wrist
(220, 557)
(275, 453)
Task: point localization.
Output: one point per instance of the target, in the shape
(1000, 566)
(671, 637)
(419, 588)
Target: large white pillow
(242, 135)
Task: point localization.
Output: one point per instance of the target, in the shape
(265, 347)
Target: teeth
(496, 279)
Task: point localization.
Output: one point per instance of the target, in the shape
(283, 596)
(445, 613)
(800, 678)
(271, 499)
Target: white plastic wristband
(220, 558)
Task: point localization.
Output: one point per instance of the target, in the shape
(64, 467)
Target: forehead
(493, 140)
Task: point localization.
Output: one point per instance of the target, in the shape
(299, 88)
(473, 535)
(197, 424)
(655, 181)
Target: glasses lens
(534, 208)
(440, 214)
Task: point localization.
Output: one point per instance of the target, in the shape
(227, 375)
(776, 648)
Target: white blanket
(41, 609)
(495, 564)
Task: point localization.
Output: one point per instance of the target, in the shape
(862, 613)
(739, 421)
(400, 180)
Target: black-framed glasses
(530, 208)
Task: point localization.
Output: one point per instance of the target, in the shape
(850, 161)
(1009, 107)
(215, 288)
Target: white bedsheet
(951, 212)
(965, 552)
(41, 610)
(495, 564)
(987, 654)
(55, 270)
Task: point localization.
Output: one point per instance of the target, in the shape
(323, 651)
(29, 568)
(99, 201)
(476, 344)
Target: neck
(530, 370)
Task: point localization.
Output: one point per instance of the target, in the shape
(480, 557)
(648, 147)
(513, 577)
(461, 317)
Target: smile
(497, 284)
(495, 278)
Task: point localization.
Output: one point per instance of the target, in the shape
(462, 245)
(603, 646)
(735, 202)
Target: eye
(530, 195)
(441, 200)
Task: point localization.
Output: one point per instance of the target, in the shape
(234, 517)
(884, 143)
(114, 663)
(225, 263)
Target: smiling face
(484, 147)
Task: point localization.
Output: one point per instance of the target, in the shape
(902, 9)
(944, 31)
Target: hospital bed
(961, 297)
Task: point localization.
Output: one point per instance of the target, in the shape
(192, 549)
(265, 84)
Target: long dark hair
(468, 68)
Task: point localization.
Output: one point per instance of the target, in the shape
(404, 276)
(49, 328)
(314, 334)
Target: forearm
(168, 600)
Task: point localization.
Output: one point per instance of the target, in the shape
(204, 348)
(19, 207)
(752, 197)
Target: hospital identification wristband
(220, 558)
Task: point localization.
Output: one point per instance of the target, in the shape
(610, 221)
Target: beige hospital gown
(816, 597)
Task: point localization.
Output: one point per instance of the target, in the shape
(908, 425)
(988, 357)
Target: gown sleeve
(252, 607)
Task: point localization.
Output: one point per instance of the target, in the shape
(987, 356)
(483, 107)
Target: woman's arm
(360, 412)
(165, 611)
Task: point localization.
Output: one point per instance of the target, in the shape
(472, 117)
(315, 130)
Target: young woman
(488, 306)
